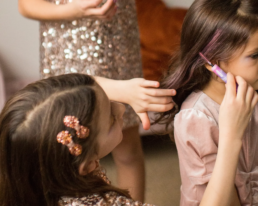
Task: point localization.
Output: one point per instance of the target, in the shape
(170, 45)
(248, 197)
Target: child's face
(245, 62)
(110, 123)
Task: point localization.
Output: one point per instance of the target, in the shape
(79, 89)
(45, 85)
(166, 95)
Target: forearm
(44, 10)
(221, 186)
(113, 88)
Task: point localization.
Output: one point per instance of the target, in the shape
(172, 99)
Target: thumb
(145, 120)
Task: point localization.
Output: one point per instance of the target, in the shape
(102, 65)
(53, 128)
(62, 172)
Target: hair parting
(35, 169)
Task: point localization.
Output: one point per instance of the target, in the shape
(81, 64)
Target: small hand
(144, 95)
(236, 108)
(92, 9)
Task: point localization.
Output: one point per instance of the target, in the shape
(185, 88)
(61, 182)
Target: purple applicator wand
(216, 69)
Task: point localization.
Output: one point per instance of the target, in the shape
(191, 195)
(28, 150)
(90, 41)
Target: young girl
(226, 32)
(75, 37)
(54, 131)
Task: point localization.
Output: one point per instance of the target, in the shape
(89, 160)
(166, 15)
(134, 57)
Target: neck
(215, 90)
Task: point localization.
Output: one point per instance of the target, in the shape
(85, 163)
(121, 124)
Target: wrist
(121, 88)
(66, 12)
(230, 142)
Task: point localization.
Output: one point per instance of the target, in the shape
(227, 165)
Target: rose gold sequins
(104, 48)
(64, 137)
(111, 198)
(76, 150)
(83, 132)
(73, 122)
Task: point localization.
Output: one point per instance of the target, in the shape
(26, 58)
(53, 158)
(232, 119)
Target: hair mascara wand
(216, 69)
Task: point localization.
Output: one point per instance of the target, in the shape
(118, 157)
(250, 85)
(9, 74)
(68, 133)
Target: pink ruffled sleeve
(196, 136)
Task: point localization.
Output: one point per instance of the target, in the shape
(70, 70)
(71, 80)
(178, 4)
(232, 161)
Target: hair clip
(65, 138)
(73, 122)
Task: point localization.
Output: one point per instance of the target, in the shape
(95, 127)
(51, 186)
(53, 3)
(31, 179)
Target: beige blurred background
(19, 62)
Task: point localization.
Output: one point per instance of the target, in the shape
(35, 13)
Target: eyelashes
(254, 56)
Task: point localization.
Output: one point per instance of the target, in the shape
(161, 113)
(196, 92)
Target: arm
(43, 10)
(142, 95)
(235, 112)
(220, 189)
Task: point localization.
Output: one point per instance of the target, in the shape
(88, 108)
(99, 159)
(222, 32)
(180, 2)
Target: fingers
(246, 92)
(160, 92)
(111, 12)
(145, 120)
(158, 100)
(93, 3)
(249, 95)
(231, 85)
(148, 83)
(242, 88)
(103, 10)
(160, 107)
(254, 100)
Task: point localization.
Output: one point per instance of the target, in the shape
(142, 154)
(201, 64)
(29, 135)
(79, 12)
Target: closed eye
(254, 56)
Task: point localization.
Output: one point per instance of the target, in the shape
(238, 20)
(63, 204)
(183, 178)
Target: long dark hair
(34, 168)
(215, 27)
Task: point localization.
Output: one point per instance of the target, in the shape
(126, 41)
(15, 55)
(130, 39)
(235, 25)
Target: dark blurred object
(160, 28)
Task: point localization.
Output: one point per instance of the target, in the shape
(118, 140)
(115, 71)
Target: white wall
(19, 41)
(178, 3)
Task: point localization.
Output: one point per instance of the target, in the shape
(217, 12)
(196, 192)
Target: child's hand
(144, 95)
(91, 9)
(236, 108)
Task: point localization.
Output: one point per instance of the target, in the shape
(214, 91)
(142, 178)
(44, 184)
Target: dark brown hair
(217, 28)
(34, 168)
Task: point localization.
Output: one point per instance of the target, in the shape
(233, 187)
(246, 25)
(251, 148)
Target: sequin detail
(112, 199)
(76, 150)
(65, 138)
(105, 48)
(73, 122)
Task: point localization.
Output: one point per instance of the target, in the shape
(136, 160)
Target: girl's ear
(87, 167)
(208, 67)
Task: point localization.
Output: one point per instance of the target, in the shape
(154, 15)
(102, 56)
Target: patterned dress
(111, 198)
(109, 49)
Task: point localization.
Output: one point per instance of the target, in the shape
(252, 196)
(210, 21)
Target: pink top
(197, 135)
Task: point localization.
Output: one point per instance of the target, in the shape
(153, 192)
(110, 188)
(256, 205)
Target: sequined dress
(103, 48)
(111, 198)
